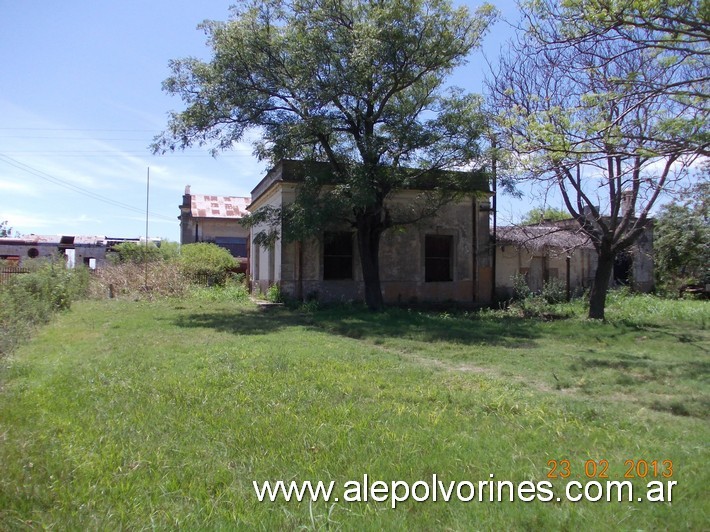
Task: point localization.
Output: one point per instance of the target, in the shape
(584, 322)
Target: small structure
(87, 250)
(542, 253)
(560, 250)
(445, 258)
(216, 219)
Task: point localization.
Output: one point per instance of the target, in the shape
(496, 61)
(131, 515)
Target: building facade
(87, 250)
(560, 251)
(445, 258)
(216, 219)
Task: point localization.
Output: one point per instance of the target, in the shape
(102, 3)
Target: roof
(536, 237)
(294, 171)
(204, 206)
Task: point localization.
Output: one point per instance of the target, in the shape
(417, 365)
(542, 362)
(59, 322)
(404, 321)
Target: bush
(521, 290)
(530, 304)
(273, 294)
(554, 291)
(234, 289)
(206, 263)
(28, 300)
(140, 253)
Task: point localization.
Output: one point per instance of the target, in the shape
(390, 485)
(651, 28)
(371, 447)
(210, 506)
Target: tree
(580, 118)
(673, 35)
(681, 240)
(542, 214)
(5, 229)
(357, 84)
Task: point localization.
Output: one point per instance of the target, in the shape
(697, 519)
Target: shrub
(273, 294)
(28, 300)
(234, 289)
(206, 263)
(521, 290)
(554, 291)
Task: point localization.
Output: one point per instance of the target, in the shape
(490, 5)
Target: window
(337, 256)
(437, 257)
(237, 246)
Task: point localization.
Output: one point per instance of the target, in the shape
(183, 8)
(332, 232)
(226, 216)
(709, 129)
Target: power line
(119, 153)
(60, 182)
(75, 129)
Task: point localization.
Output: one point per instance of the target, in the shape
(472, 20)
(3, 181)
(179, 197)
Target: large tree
(673, 36)
(358, 84)
(580, 117)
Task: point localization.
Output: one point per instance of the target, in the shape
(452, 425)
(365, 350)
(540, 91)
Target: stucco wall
(298, 266)
(542, 265)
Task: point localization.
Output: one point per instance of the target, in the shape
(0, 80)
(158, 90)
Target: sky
(81, 100)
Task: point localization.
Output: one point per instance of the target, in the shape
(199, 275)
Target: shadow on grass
(247, 321)
(466, 329)
(359, 323)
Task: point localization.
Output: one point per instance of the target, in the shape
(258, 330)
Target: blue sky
(81, 99)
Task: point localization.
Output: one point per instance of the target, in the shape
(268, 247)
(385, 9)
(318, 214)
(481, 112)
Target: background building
(216, 219)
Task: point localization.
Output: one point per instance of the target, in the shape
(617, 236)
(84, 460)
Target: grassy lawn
(136, 415)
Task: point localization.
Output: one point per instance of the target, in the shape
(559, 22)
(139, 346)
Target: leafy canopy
(539, 215)
(356, 84)
(682, 238)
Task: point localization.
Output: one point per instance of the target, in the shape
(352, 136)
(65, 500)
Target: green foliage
(357, 85)
(531, 304)
(273, 294)
(521, 290)
(234, 289)
(554, 291)
(598, 114)
(146, 404)
(138, 253)
(5, 229)
(544, 214)
(28, 300)
(206, 263)
(681, 240)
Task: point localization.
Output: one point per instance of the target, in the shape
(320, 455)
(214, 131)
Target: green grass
(136, 415)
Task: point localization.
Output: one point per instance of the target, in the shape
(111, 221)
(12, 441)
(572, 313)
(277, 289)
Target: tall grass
(138, 281)
(28, 300)
(130, 415)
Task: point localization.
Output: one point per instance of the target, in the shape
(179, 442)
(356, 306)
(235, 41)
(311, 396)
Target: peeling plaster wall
(298, 266)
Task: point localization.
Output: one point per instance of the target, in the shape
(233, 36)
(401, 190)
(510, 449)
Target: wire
(62, 183)
(74, 129)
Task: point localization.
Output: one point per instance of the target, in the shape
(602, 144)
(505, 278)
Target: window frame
(436, 261)
(338, 258)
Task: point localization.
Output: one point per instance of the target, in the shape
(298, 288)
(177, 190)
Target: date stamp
(600, 469)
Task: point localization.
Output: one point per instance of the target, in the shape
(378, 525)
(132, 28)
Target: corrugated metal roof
(204, 206)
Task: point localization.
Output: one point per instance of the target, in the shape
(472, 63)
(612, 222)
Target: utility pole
(494, 177)
(147, 205)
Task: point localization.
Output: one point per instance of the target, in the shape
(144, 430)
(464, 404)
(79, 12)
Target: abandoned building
(87, 250)
(450, 257)
(443, 258)
(216, 219)
(560, 250)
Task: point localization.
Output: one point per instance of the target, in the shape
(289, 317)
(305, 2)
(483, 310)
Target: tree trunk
(597, 296)
(368, 241)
